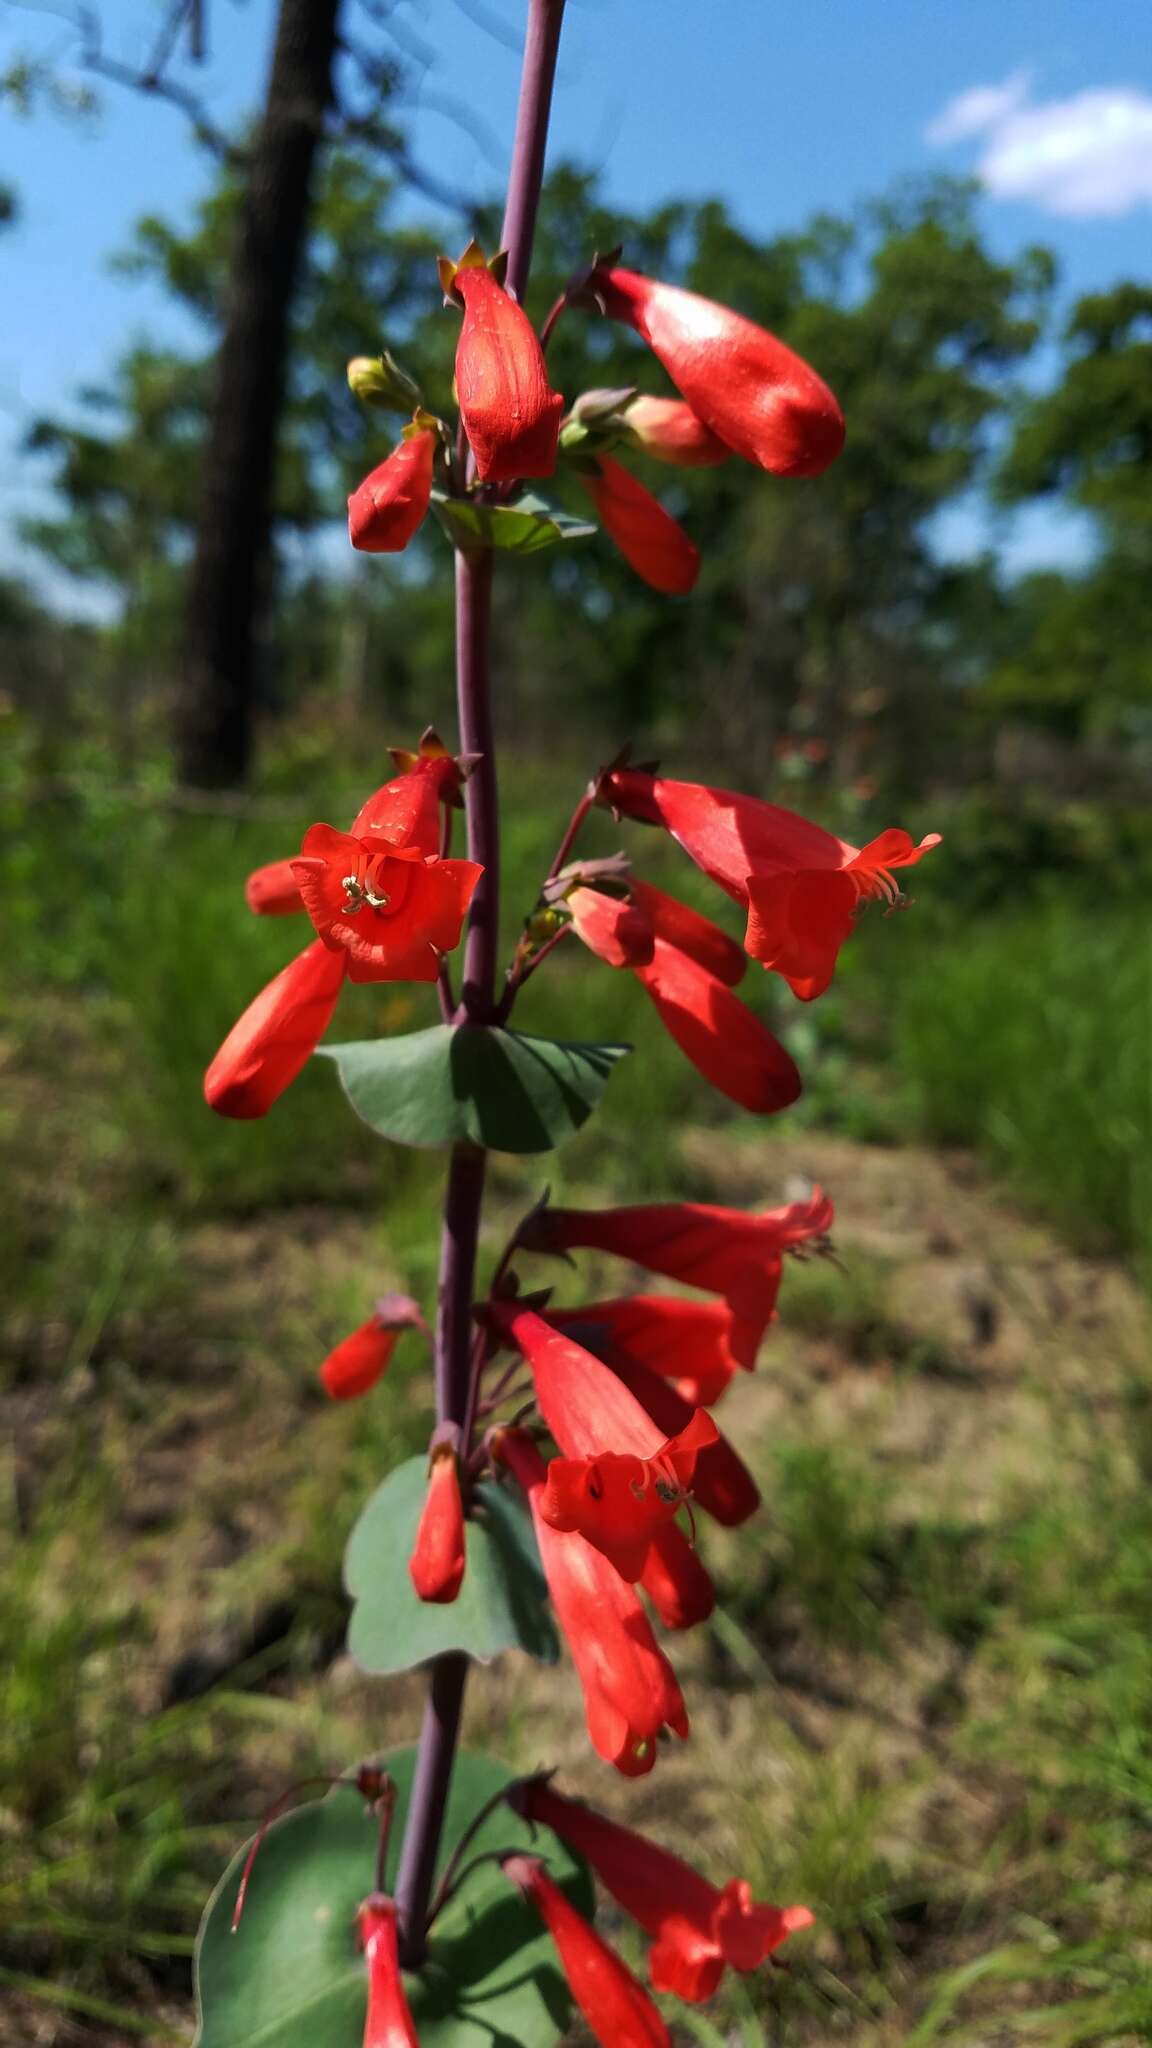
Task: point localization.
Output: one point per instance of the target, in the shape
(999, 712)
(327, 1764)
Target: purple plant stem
(465, 1189)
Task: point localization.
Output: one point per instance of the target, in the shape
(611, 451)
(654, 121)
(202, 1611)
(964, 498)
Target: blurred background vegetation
(942, 1642)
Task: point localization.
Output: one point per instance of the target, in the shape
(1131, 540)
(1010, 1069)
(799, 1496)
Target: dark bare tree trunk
(214, 713)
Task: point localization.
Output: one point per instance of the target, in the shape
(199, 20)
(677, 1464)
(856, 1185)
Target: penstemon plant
(567, 1444)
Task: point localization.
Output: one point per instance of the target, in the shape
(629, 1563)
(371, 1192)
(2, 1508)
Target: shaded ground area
(926, 1710)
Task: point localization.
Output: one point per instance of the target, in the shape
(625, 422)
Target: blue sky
(780, 110)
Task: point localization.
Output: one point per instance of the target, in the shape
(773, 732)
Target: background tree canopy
(828, 633)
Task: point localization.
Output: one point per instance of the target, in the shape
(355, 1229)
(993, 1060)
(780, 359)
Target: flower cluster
(743, 393)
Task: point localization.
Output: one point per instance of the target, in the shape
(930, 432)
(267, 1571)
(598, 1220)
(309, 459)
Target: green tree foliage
(1078, 656)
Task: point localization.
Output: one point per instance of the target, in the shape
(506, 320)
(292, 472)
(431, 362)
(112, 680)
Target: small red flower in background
(617, 2008)
(277, 1034)
(630, 1689)
(387, 508)
(389, 2023)
(668, 429)
(759, 397)
(436, 1566)
(698, 1928)
(713, 1028)
(723, 1251)
(511, 413)
(799, 884)
(648, 537)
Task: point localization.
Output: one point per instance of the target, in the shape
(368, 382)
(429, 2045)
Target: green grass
(1026, 1037)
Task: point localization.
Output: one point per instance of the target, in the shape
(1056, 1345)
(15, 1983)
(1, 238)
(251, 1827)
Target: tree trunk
(215, 706)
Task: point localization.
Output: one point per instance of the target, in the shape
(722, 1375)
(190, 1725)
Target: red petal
(721, 1037)
(697, 936)
(675, 1580)
(647, 536)
(278, 1032)
(616, 2007)
(797, 925)
(669, 429)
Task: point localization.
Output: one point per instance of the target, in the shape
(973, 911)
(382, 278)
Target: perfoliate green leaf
(500, 1089)
(525, 528)
(292, 1976)
(502, 1604)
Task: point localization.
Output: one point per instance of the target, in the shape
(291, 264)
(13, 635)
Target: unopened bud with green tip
(379, 380)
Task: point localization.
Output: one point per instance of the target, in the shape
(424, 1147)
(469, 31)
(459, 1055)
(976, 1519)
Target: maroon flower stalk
(465, 1190)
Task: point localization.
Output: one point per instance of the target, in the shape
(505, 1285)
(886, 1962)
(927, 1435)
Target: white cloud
(1086, 156)
(984, 106)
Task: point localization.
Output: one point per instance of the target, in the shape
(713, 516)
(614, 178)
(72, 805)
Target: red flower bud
(357, 1363)
(273, 891)
(698, 1928)
(511, 414)
(647, 536)
(278, 1032)
(670, 430)
(389, 2023)
(760, 398)
(436, 1566)
(386, 509)
(617, 2008)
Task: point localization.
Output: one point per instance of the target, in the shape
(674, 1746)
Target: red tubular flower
(687, 1342)
(511, 413)
(756, 394)
(689, 932)
(360, 1360)
(719, 1034)
(675, 1581)
(723, 1251)
(713, 1028)
(386, 509)
(647, 536)
(799, 884)
(388, 910)
(617, 2008)
(389, 2023)
(670, 430)
(630, 1689)
(278, 1032)
(436, 1566)
(273, 891)
(620, 1479)
(698, 1928)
